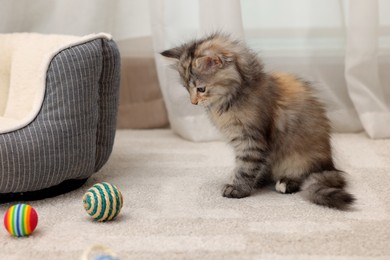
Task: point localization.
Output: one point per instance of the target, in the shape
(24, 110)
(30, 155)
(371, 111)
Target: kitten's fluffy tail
(327, 189)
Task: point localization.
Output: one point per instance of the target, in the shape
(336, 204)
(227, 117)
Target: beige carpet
(173, 208)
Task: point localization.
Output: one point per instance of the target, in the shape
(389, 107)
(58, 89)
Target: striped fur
(278, 129)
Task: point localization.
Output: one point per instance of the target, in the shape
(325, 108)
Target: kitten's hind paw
(287, 186)
(230, 191)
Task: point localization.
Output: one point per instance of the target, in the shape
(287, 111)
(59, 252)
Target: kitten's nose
(194, 102)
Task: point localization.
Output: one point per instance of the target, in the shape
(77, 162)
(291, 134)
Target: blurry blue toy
(99, 252)
(106, 257)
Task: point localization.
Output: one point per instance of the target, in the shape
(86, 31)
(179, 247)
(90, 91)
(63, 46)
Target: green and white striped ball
(103, 201)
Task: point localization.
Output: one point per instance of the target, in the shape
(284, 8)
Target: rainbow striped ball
(20, 220)
(103, 201)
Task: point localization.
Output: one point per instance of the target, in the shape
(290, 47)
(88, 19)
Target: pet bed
(58, 105)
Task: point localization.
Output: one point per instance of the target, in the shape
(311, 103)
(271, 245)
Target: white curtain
(127, 20)
(342, 46)
(174, 22)
(368, 89)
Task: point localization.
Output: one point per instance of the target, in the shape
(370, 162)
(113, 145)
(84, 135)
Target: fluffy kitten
(278, 129)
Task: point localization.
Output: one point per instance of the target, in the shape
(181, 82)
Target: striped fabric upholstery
(72, 136)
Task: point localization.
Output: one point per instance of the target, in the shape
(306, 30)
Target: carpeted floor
(173, 208)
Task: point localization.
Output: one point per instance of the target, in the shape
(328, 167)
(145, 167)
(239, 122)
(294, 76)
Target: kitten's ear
(173, 53)
(208, 63)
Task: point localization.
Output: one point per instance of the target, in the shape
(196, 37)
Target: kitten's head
(210, 68)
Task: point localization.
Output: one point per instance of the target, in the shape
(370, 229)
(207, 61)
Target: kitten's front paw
(230, 191)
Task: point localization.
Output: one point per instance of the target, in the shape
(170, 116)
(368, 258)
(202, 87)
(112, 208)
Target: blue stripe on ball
(87, 201)
(95, 206)
(118, 203)
(103, 202)
(111, 199)
(18, 223)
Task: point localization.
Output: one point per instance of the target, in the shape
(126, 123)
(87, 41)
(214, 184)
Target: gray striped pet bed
(67, 132)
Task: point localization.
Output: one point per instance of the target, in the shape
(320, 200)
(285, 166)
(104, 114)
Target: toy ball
(99, 252)
(103, 201)
(20, 220)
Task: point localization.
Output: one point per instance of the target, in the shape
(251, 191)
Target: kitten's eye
(201, 90)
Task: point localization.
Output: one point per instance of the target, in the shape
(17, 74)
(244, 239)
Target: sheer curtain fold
(362, 68)
(168, 32)
(186, 120)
